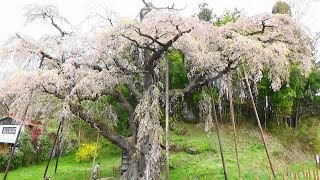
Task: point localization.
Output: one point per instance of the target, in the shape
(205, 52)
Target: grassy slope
(205, 164)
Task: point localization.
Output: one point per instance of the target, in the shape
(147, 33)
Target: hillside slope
(196, 154)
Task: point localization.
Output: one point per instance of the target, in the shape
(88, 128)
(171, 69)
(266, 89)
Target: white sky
(12, 20)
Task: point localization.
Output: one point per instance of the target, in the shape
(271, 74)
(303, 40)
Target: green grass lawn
(68, 168)
(196, 156)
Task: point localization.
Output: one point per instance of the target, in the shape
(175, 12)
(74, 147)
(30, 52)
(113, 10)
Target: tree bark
(233, 121)
(259, 125)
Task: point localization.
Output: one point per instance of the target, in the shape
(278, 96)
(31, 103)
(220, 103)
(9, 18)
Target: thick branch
(104, 129)
(149, 65)
(199, 82)
(264, 26)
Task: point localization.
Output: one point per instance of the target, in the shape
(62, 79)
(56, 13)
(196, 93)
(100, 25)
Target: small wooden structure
(8, 134)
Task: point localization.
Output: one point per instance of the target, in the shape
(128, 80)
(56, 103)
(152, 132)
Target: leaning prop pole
(218, 134)
(53, 146)
(233, 121)
(58, 144)
(167, 118)
(259, 124)
(11, 154)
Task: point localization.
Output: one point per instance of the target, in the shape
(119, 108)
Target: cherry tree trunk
(233, 121)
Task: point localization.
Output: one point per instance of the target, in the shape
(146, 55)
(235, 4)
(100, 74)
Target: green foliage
(44, 148)
(314, 81)
(283, 100)
(98, 110)
(297, 82)
(205, 13)
(281, 7)
(177, 72)
(26, 147)
(226, 17)
(16, 161)
(291, 95)
(86, 152)
(3, 162)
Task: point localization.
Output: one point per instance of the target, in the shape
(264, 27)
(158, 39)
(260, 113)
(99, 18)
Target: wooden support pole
(218, 134)
(233, 121)
(259, 125)
(12, 153)
(58, 148)
(53, 146)
(167, 117)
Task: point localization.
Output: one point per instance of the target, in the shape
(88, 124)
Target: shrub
(44, 148)
(16, 161)
(26, 147)
(86, 152)
(3, 162)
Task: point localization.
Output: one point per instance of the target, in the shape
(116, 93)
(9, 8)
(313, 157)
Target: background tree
(281, 7)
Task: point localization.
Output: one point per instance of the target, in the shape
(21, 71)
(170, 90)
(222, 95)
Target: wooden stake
(233, 121)
(259, 125)
(309, 172)
(218, 134)
(295, 176)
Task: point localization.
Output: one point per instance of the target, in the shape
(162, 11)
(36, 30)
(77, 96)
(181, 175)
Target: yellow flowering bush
(86, 152)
